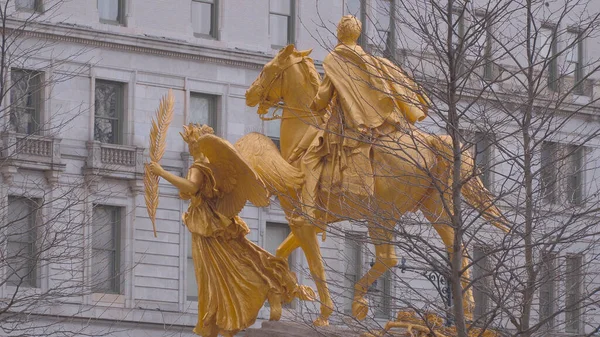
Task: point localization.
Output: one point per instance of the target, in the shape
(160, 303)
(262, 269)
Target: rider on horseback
(368, 96)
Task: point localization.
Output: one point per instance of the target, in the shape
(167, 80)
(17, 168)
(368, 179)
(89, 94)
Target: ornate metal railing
(440, 282)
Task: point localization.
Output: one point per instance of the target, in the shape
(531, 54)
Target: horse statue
(411, 171)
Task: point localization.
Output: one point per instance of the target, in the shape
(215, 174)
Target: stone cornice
(142, 44)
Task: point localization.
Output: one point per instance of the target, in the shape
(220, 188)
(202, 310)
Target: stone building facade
(106, 64)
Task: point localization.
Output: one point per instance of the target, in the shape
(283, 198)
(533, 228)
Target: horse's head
(268, 89)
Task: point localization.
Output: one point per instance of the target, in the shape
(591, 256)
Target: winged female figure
(234, 275)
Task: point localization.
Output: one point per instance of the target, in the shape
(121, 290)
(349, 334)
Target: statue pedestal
(291, 329)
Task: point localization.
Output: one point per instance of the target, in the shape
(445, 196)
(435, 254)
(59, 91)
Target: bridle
(265, 104)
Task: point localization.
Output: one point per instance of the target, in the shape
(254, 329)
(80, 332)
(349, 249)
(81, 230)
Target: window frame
(358, 240)
(116, 274)
(120, 14)
(33, 280)
(119, 133)
(291, 27)
(214, 17)
(38, 7)
(38, 96)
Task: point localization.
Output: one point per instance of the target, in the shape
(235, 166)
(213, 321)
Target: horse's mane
(313, 75)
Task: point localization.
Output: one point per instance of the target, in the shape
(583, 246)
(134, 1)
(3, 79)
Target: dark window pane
(109, 10)
(108, 111)
(105, 249)
(573, 300)
(281, 7)
(25, 4)
(202, 16)
(25, 101)
(279, 30)
(103, 271)
(21, 237)
(548, 171)
(203, 110)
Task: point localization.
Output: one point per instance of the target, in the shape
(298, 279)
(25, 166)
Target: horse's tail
(473, 189)
(262, 155)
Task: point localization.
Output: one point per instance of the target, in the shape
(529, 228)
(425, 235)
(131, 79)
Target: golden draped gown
(234, 275)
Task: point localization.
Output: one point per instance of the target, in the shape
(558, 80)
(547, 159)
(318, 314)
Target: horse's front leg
(306, 235)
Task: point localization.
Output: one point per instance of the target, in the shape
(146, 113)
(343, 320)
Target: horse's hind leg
(385, 259)
(434, 210)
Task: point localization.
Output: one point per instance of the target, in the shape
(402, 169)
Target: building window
(573, 298)
(548, 172)
(22, 253)
(562, 169)
(106, 254)
(111, 11)
(574, 184)
(357, 8)
(275, 233)
(109, 111)
(204, 17)
(547, 276)
(281, 22)
(481, 269)
(383, 297)
(192, 287)
(547, 49)
(353, 254)
(272, 129)
(575, 60)
(385, 34)
(484, 45)
(29, 5)
(26, 97)
(458, 28)
(203, 110)
(483, 157)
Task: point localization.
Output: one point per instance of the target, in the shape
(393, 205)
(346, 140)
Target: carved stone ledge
(31, 152)
(114, 161)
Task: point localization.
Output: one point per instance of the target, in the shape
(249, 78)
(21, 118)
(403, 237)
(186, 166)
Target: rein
(281, 106)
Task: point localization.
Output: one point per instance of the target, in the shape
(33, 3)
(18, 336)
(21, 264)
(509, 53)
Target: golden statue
(234, 276)
(356, 160)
